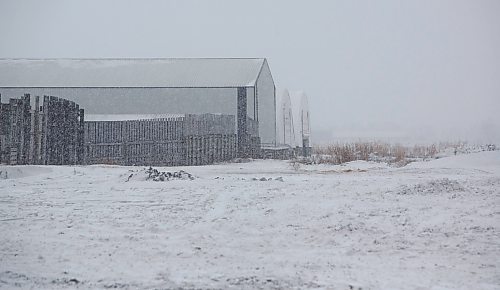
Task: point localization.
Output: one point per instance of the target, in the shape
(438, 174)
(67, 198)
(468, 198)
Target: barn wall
(141, 100)
(173, 100)
(266, 106)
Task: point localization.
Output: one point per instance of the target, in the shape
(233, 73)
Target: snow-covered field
(429, 225)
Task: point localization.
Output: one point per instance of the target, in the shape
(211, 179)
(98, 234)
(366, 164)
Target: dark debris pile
(156, 175)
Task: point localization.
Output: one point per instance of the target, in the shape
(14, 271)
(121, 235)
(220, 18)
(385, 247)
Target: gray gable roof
(131, 72)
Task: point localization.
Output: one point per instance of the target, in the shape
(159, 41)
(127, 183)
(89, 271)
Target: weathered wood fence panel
(47, 134)
(54, 131)
(187, 140)
(4, 131)
(63, 123)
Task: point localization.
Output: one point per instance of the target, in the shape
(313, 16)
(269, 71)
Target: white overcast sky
(419, 70)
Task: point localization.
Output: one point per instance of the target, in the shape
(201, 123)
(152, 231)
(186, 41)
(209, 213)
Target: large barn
(242, 87)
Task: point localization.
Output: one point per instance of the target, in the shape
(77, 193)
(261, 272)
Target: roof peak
(134, 58)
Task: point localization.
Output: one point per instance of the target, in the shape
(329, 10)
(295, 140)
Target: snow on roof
(132, 72)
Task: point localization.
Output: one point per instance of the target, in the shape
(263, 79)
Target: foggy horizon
(141, 169)
(413, 72)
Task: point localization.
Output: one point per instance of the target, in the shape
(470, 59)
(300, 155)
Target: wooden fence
(187, 140)
(55, 132)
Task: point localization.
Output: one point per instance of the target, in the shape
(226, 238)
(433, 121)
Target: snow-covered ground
(429, 225)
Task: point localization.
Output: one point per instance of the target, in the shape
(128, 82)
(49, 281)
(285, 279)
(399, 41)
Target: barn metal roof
(131, 72)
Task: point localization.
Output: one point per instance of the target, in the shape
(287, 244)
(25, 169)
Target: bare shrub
(295, 164)
(399, 153)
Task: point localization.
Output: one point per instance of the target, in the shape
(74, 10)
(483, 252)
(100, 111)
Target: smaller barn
(293, 125)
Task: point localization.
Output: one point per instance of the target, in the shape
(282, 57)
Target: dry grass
(373, 151)
(396, 154)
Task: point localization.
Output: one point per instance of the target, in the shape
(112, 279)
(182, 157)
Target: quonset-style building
(242, 87)
(293, 125)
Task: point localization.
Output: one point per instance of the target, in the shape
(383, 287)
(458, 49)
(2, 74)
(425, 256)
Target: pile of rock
(268, 179)
(156, 175)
